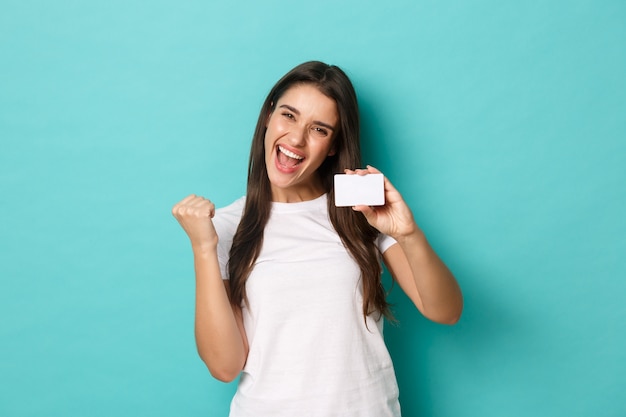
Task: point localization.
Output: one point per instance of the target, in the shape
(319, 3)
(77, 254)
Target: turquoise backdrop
(503, 123)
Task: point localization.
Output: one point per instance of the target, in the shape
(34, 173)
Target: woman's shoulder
(229, 216)
(233, 208)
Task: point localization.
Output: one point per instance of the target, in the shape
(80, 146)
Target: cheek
(279, 127)
(324, 150)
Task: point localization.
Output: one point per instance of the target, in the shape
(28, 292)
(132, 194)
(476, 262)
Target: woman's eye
(320, 131)
(288, 115)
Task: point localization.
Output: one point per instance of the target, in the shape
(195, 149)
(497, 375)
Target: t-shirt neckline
(300, 205)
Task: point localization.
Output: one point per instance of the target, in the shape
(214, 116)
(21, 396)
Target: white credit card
(356, 190)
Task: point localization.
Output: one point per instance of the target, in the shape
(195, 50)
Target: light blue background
(503, 123)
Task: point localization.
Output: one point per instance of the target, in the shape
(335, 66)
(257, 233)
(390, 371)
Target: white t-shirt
(311, 353)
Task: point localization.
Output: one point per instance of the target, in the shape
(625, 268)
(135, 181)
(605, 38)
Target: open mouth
(287, 158)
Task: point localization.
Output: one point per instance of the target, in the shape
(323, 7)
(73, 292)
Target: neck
(296, 195)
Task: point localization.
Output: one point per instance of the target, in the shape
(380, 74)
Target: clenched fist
(194, 213)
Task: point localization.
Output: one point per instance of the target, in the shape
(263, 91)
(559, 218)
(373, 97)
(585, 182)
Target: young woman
(288, 287)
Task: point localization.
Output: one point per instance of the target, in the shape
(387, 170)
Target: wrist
(412, 237)
(204, 249)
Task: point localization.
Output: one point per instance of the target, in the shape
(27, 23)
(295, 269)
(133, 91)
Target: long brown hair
(356, 234)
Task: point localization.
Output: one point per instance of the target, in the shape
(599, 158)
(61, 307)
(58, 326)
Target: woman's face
(299, 137)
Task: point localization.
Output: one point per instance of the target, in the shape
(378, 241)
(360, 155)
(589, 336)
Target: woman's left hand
(395, 217)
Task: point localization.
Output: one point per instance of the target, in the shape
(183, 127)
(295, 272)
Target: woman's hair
(355, 232)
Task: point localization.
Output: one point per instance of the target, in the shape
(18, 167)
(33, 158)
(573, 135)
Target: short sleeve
(223, 251)
(226, 221)
(384, 242)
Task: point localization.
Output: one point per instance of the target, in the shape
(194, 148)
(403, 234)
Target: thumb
(368, 212)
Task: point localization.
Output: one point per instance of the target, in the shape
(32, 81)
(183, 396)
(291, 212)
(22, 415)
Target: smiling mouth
(287, 158)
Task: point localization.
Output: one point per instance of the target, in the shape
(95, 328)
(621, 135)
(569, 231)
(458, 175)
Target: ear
(332, 151)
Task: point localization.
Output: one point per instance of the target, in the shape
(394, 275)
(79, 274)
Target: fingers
(194, 205)
(366, 210)
(185, 200)
(357, 171)
(373, 170)
(362, 171)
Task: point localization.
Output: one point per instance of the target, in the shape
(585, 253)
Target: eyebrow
(317, 122)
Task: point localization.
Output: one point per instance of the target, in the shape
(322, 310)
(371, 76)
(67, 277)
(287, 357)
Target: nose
(297, 136)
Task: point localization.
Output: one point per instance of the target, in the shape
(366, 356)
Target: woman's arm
(412, 261)
(425, 278)
(220, 337)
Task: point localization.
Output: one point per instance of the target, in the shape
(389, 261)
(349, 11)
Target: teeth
(289, 153)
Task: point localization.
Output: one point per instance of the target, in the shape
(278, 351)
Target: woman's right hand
(194, 213)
